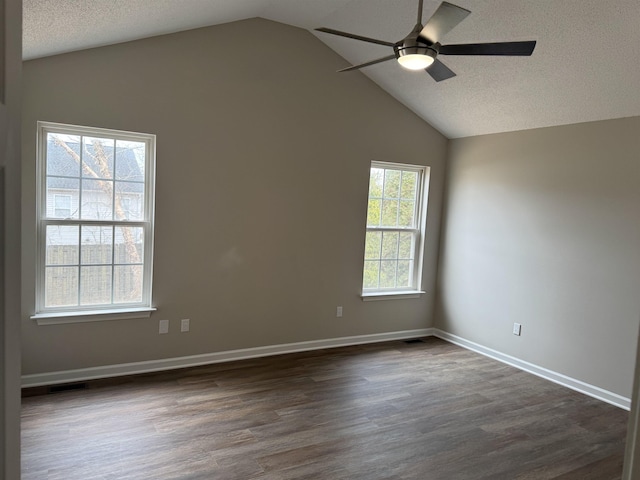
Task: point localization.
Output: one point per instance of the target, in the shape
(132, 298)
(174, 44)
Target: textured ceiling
(586, 65)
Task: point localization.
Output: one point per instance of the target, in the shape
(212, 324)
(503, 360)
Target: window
(95, 248)
(396, 218)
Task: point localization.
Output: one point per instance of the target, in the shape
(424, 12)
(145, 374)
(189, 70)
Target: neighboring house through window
(62, 205)
(126, 207)
(396, 219)
(95, 249)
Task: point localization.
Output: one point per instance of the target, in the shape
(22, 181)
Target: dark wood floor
(422, 411)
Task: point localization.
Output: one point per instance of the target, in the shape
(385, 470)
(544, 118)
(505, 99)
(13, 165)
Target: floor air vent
(414, 340)
(66, 387)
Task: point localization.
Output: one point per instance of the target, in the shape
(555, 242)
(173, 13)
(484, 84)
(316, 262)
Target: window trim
(422, 200)
(80, 313)
(92, 315)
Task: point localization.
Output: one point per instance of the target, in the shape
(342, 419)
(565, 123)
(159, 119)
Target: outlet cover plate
(163, 326)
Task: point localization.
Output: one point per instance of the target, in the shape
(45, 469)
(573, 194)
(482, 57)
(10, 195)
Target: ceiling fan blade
(503, 48)
(355, 37)
(442, 21)
(439, 71)
(372, 62)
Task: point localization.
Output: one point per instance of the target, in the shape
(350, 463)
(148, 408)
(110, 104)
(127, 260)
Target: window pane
(63, 155)
(62, 197)
(130, 158)
(61, 286)
(391, 184)
(388, 273)
(97, 245)
(371, 271)
(373, 213)
(376, 180)
(129, 201)
(405, 250)
(408, 188)
(390, 245)
(407, 209)
(98, 157)
(404, 268)
(389, 213)
(128, 246)
(62, 245)
(97, 200)
(95, 285)
(372, 245)
(127, 284)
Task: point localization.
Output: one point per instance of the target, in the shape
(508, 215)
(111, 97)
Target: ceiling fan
(419, 50)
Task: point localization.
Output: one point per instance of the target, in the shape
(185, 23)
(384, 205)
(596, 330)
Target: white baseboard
(572, 383)
(83, 374)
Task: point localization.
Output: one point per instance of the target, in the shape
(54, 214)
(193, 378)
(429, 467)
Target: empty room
(346, 239)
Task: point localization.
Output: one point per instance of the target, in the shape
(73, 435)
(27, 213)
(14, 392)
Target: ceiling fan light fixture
(416, 58)
(415, 61)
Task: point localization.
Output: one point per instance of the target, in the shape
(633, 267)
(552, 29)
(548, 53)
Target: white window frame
(418, 230)
(79, 313)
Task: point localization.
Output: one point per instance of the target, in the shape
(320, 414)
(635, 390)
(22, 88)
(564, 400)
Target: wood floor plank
(388, 411)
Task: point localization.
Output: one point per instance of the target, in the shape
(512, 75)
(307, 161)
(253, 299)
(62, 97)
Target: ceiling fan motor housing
(414, 44)
(416, 49)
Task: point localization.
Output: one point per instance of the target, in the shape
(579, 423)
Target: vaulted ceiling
(586, 65)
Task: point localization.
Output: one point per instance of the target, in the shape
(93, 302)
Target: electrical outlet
(517, 329)
(339, 312)
(164, 326)
(184, 325)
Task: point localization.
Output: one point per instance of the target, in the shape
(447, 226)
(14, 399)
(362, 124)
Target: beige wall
(262, 176)
(543, 229)
(11, 44)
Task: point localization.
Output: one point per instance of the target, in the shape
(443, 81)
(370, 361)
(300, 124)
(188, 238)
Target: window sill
(55, 318)
(396, 295)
